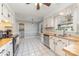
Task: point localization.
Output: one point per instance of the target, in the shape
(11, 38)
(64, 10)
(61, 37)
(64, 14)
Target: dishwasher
(46, 40)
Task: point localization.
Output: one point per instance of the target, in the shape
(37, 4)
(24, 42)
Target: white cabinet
(49, 22)
(70, 42)
(44, 23)
(7, 14)
(1, 11)
(57, 44)
(60, 44)
(5, 11)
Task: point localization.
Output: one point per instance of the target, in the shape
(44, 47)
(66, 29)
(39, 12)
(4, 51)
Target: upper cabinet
(67, 20)
(5, 11)
(49, 22)
(7, 18)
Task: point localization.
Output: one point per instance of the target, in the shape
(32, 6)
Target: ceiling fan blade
(38, 6)
(27, 3)
(47, 4)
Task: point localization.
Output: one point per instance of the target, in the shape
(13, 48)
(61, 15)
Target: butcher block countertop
(72, 50)
(5, 41)
(49, 33)
(73, 38)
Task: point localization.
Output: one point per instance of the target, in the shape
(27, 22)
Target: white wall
(31, 29)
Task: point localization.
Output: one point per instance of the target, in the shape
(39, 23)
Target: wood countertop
(72, 50)
(49, 33)
(4, 41)
(73, 38)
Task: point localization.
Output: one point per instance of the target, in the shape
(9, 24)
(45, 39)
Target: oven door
(46, 40)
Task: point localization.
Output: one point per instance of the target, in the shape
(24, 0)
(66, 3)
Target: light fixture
(40, 4)
(61, 13)
(6, 21)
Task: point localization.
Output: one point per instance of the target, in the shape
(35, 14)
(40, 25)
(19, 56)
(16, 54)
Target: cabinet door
(5, 11)
(59, 47)
(65, 42)
(45, 23)
(70, 42)
(0, 11)
(50, 22)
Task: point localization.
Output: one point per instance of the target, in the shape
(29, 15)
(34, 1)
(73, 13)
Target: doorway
(21, 30)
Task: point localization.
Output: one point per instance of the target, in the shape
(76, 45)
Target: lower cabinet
(57, 44)
(7, 49)
(59, 47)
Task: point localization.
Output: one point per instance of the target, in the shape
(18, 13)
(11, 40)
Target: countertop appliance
(8, 33)
(46, 40)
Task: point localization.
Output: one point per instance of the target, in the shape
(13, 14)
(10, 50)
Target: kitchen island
(4, 41)
(6, 47)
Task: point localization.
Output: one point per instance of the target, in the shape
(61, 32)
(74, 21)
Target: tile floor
(32, 46)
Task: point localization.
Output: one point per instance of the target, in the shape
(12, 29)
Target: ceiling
(28, 11)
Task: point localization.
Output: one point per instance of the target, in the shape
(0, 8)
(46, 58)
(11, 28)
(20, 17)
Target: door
(21, 30)
(46, 40)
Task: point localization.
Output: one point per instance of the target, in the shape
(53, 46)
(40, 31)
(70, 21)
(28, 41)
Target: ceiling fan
(38, 5)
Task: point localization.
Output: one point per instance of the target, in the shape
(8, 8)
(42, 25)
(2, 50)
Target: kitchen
(47, 30)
